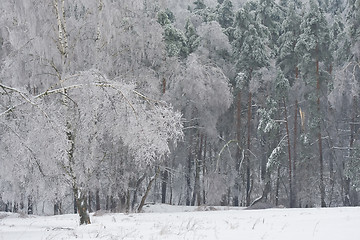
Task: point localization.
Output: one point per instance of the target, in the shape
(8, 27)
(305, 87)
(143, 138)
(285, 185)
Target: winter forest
(108, 105)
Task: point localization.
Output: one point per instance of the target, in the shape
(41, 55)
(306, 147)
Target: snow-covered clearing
(186, 223)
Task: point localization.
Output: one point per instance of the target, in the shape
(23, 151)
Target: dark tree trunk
(204, 171)
(127, 207)
(322, 184)
(347, 180)
(295, 153)
(291, 198)
(164, 175)
(248, 175)
(196, 194)
(164, 179)
(331, 160)
(171, 190)
(188, 176)
(277, 186)
(238, 149)
(97, 200)
(75, 206)
(163, 85)
(107, 203)
(30, 206)
(112, 204)
(57, 207)
(321, 161)
(143, 199)
(347, 201)
(15, 207)
(137, 187)
(89, 200)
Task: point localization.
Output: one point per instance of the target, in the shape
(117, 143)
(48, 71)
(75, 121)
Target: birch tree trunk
(62, 44)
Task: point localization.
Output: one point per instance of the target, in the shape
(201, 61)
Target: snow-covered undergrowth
(175, 222)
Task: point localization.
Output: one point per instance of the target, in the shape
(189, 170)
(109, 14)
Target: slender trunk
(30, 205)
(143, 199)
(278, 174)
(291, 201)
(122, 202)
(113, 204)
(75, 206)
(295, 153)
(321, 161)
(127, 204)
(322, 185)
(107, 204)
(57, 206)
(15, 207)
(238, 150)
(171, 183)
(266, 190)
(347, 201)
(80, 203)
(204, 171)
(164, 175)
(196, 194)
(138, 184)
(331, 161)
(188, 176)
(332, 158)
(164, 179)
(198, 169)
(248, 180)
(97, 200)
(347, 180)
(277, 186)
(90, 200)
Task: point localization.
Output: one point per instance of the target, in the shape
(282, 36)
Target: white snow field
(169, 222)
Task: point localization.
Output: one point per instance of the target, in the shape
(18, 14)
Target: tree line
(110, 104)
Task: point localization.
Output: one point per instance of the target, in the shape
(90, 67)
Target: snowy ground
(170, 222)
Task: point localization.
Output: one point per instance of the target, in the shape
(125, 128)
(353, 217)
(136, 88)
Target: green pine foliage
(289, 36)
(313, 44)
(250, 43)
(225, 14)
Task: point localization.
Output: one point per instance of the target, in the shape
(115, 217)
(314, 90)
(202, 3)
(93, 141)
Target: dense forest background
(107, 104)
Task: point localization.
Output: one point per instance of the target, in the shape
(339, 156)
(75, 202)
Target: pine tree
(312, 49)
(250, 55)
(271, 16)
(192, 38)
(225, 14)
(175, 40)
(290, 31)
